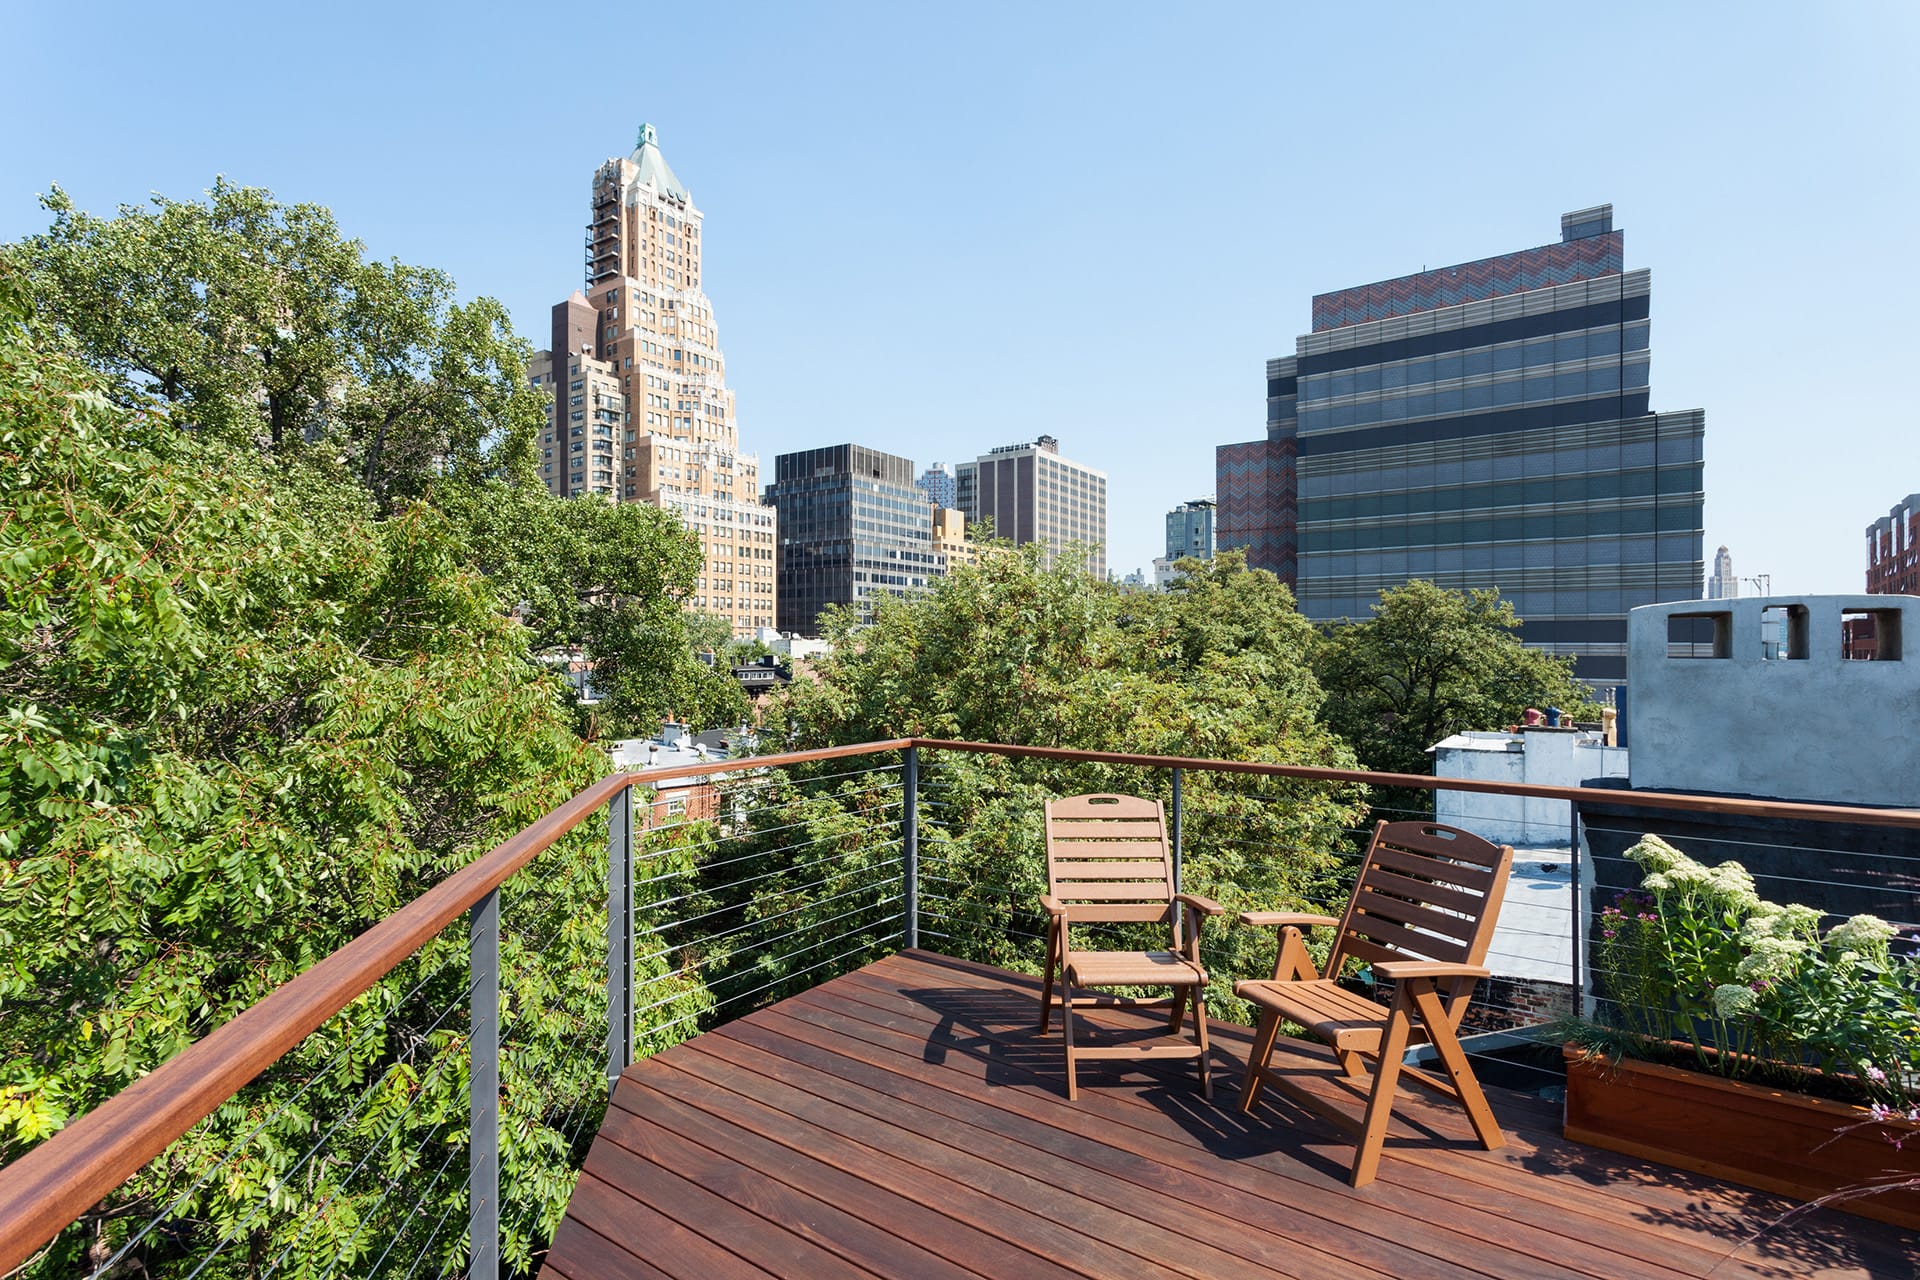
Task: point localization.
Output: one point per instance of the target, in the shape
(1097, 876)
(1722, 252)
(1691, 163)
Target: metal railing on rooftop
(778, 872)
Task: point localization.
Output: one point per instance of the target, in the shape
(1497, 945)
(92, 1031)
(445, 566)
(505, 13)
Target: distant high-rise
(1482, 425)
(937, 482)
(1722, 585)
(1190, 530)
(853, 526)
(641, 409)
(1032, 494)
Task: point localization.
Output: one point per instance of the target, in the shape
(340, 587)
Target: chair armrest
(1054, 907)
(1395, 970)
(1205, 906)
(1299, 919)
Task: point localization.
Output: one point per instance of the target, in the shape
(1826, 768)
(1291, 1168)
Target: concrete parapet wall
(1808, 725)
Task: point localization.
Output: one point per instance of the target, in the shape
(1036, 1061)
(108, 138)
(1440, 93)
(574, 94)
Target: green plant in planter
(1756, 989)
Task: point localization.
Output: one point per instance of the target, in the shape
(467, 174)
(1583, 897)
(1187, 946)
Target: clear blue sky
(934, 229)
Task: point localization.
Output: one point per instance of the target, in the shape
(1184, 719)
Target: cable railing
(420, 1101)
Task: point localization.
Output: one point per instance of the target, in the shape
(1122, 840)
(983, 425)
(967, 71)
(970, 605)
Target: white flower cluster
(1655, 854)
(1733, 1000)
(1772, 920)
(1769, 959)
(1670, 871)
(1862, 935)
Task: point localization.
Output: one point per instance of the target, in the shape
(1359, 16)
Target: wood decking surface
(907, 1120)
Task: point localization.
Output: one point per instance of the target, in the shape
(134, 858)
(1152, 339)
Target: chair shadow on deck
(996, 1027)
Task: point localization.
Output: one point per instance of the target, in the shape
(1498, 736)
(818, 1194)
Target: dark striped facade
(1498, 436)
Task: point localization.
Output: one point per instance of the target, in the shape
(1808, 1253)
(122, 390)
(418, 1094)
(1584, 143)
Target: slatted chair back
(1108, 860)
(1425, 892)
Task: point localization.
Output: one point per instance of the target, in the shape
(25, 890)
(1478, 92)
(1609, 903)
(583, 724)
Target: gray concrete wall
(1816, 728)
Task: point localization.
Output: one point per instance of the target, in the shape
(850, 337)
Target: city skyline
(866, 191)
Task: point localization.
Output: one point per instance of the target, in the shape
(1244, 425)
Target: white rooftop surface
(1534, 938)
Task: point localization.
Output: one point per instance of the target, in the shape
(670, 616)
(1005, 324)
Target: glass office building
(1483, 425)
(853, 526)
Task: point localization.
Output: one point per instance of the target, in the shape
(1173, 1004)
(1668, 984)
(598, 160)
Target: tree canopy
(1430, 663)
(1018, 650)
(262, 326)
(265, 541)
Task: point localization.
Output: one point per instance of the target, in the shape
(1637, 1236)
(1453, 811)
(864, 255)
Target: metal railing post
(910, 846)
(619, 934)
(1579, 913)
(483, 1088)
(1177, 832)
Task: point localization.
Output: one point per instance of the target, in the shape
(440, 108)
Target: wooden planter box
(1759, 1137)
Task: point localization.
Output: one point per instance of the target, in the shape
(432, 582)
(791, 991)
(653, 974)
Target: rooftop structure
(1713, 712)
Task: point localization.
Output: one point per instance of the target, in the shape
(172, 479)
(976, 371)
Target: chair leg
(1046, 987)
(1200, 1025)
(1353, 1064)
(1066, 1027)
(1453, 1057)
(1257, 1059)
(1179, 1011)
(1373, 1132)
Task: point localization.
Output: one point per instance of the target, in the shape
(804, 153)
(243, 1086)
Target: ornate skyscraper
(1722, 585)
(645, 325)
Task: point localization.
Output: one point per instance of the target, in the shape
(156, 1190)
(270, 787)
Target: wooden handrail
(53, 1184)
(1726, 805)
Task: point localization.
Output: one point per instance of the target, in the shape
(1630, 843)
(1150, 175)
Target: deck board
(908, 1120)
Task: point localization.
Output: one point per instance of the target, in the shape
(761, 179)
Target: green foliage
(611, 579)
(245, 719)
(1017, 650)
(1431, 663)
(1756, 989)
(260, 325)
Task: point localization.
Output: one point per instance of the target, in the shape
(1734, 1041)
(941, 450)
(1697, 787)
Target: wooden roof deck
(907, 1120)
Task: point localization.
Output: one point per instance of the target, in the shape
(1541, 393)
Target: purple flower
(1876, 1075)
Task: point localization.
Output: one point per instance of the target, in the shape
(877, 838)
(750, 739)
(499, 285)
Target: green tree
(1017, 650)
(1431, 663)
(260, 324)
(245, 718)
(611, 579)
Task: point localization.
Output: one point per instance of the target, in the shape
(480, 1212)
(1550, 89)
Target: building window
(1700, 635)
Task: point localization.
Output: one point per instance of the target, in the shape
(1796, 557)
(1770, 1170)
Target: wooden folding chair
(1108, 862)
(1422, 914)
